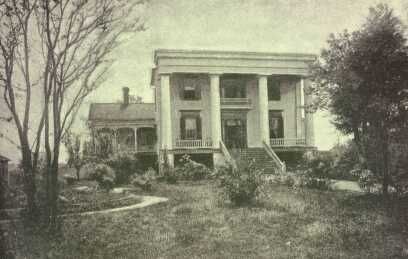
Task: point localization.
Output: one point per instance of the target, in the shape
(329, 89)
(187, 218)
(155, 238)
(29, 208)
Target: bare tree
(15, 20)
(74, 40)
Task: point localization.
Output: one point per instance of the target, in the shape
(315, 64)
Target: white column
(165, 112)
(309, 127)
(215, 110)
(135, 129)
(263, 108)
(298, 108)
(115, 142)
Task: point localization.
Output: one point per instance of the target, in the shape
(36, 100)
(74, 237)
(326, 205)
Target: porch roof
(111, 112)
(4, 159)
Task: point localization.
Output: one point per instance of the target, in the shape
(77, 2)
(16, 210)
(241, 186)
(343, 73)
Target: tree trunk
(29, 180)
(385, 163)
(54, 189)
(78, 169)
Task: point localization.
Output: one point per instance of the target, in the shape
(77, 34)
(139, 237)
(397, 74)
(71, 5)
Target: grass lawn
(198, 223)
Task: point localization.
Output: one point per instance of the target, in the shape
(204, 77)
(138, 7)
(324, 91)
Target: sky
(239, 25)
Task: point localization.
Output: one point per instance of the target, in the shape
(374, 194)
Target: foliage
(53, 54)
(399, 166)
(104, 147)
(346, 160)
(362, 79)
(125, 165)
(76, 157)
(167, 173)
(302, 180)
(366, 180)
(242, 184)
(314, 182)
(104, 175)
(320, 165)
(318, 225)
(144, 181)
(191, 170)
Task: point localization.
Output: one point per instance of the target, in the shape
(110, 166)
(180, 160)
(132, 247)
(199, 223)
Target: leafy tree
(362, 78)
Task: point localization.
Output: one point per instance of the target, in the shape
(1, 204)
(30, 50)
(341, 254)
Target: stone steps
(262, 159)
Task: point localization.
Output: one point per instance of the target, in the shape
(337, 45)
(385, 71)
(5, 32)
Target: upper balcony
(236, 103)
(234, 92)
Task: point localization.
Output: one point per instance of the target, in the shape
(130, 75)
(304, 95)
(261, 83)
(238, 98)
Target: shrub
(315, 183)
(104, 175)
(191, 170)
(141, 182)
(346, 160)
(241, 184)
(167, 173)
(125, 165)
(366, 179)
(320, 165)
(144, 181)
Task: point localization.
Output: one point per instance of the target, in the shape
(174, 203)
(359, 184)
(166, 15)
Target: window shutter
(197, 89)
(182, 128)
(181, 89)
(280, 132)
(198, 123)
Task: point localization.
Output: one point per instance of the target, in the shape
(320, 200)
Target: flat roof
(183, 53)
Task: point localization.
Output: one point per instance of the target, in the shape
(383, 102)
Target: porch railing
(193, 143)
(280, 164)
(227, 155)
(235, 101)
(288, 142)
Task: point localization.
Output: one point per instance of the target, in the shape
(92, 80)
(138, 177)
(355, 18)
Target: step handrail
(227, 155)
(274, 156)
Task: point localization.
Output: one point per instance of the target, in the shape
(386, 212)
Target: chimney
(125, 96)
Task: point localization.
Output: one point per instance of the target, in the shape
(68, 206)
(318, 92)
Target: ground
(197, 222)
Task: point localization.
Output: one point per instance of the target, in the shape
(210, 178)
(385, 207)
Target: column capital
(214, 74)
(262, 75)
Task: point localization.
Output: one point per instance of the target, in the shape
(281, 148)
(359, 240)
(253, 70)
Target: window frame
(194, 94)
(278, 114)
(274, 89)
(198, 124)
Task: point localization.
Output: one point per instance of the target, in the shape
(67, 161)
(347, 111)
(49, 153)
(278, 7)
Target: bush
(144, 181)
(314, 183)
(104, 175)
(320, 165)
(191, 170)
(366, 179)
(167, 173)
(125, 165)
(242, 184)
(346, 160)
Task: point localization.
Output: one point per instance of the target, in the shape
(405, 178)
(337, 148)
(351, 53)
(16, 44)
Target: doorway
(234, 133)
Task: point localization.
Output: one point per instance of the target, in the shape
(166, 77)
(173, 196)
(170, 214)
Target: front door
(234, 133)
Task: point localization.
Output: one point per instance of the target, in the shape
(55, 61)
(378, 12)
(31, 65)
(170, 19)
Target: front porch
(128, 139)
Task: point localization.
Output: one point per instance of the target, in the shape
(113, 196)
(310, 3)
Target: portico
(195, 88)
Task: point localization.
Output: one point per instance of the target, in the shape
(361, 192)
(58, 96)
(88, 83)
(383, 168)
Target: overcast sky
(256, 25)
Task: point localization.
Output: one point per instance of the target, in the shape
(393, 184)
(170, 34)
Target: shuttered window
(276, 124)
(190, 127)
(190, 89)
(274, 93)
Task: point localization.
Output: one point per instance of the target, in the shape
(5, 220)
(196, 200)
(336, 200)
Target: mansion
(211, 104)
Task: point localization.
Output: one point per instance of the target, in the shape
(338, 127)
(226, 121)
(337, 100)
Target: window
(274, 93)
(190, 89)
(233, 86)
(276, 124)
(190, 126)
